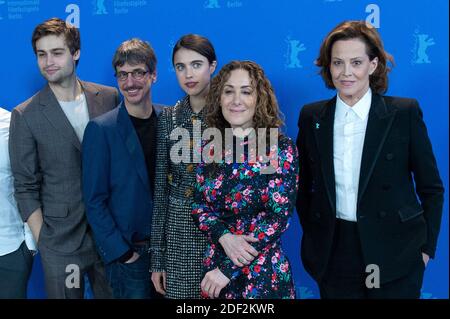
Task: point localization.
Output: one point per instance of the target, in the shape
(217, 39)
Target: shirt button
(389, 156)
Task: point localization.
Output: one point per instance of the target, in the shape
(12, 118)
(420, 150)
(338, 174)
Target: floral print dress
(236, 197)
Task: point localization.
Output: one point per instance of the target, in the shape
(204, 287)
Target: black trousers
(15, 270)
(346, 272)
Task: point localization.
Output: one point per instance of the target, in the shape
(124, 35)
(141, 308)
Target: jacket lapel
(323, 125)
(378, 126)
(94, 100)
(55, 115)
(133, 146)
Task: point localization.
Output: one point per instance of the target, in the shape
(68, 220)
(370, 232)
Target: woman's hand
(238, 249)
(159, 281)
(213, 282)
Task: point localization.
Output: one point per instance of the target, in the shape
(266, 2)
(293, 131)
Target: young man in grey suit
(46, 132)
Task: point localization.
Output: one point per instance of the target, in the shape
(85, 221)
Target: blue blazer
(116, 187)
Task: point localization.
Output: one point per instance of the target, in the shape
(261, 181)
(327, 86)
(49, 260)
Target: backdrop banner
(283, 36)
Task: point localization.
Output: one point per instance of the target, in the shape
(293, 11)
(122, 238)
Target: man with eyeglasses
(118, 173)
(46, 132)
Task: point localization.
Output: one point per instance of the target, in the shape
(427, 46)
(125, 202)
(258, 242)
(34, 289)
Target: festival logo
(422, 42)
(293, 50)
(99, 7)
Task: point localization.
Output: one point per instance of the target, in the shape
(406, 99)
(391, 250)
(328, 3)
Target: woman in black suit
(370, 196)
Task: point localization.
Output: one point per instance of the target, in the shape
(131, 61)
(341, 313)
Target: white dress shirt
(350, 123)
(13, 231)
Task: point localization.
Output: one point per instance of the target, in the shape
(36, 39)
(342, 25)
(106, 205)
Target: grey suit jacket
(46, 163)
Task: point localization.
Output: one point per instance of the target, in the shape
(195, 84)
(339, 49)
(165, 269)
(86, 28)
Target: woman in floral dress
(244, 201)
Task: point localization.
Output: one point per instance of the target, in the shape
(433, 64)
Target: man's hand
(35, 223)
(425, 258)
(238, 249)
(159, 281)
(133, 258)
(213, 282)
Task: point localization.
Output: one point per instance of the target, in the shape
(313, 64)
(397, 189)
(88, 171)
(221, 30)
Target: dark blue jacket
(116, 188)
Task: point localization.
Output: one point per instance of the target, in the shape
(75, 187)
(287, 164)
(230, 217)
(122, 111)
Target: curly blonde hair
(267, 113)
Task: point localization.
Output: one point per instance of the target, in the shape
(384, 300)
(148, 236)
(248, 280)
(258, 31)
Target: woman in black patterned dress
(177, 246)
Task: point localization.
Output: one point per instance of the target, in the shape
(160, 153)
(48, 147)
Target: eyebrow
(51, 50)
(136, 69)
(242, 87)
(350, 59)
(194, 61)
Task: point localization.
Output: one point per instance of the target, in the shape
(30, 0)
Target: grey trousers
(64, 273)
(15, 270)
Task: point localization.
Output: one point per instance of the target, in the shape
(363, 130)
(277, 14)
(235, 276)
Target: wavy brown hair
(374, 48)
(57, 27)
(267, 113)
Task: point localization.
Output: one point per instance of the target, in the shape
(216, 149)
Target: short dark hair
(374, 46)
(135, 51)
(57, 26)
(196, 43)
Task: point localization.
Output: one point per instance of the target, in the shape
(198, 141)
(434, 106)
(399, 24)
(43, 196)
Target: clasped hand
(238, 248)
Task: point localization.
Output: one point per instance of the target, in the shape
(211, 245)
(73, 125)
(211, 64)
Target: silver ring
(242, 260)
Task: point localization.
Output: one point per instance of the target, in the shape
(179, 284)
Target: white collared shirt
(13, 231)
(350, 123)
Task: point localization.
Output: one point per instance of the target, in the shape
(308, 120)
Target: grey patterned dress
(177, 246)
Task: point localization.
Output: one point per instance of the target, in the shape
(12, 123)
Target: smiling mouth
(347, 83)
(132, 91)
(51, 71)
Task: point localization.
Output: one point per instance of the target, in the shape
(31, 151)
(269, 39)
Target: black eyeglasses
(137, 74)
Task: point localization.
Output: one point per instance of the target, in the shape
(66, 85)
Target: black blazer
(397, 165)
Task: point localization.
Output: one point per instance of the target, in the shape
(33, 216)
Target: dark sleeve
(205, 216)
(24, 165)
(305, 178)
(96, 193)
(161, 196)
(428, 183)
